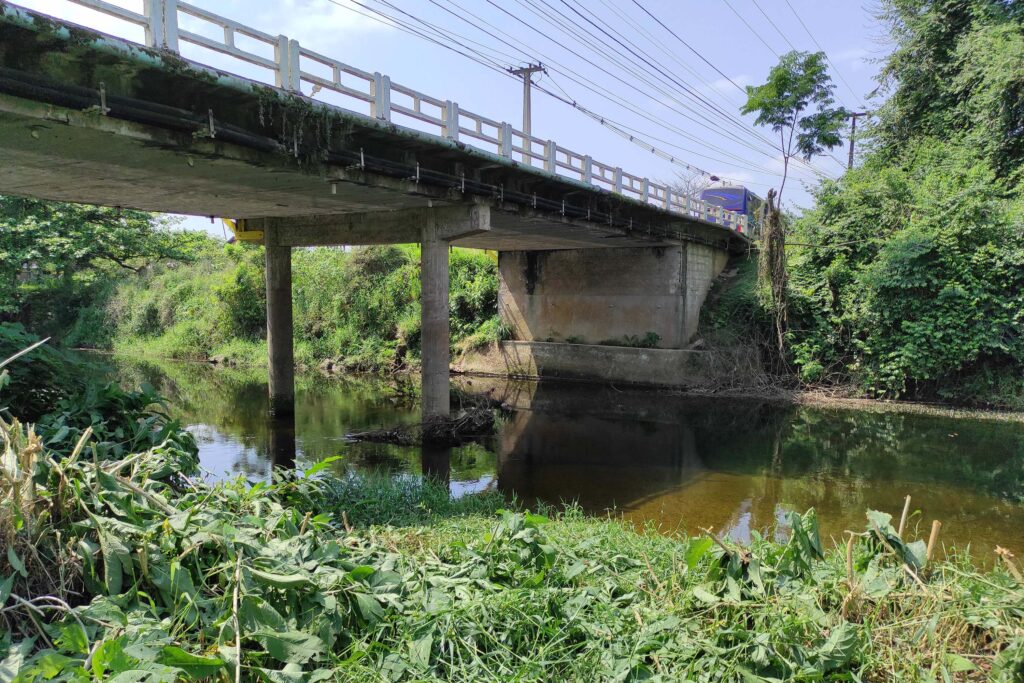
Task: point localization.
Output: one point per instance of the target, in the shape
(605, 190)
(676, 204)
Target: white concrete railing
(294, 67)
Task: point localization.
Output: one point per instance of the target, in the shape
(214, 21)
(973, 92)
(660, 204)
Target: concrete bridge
(587, 251)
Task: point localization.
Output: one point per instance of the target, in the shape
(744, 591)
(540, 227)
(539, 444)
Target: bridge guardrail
(293, 67)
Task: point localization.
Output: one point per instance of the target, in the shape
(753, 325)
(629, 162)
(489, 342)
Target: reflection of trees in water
(820, 445)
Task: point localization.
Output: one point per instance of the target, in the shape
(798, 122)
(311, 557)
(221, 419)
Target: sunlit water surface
(681, 463)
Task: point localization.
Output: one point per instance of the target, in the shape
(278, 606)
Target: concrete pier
(434, 339)
(279, 324)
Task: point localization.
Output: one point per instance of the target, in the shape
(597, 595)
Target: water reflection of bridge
(642, 453)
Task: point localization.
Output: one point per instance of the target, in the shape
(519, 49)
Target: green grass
(377, 579)
(359, 309)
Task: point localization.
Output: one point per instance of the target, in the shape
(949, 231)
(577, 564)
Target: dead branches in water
(468, 425)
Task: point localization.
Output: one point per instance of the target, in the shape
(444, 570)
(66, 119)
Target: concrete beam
(377, 227)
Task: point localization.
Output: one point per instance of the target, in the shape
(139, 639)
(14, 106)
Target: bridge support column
(279, 324)
(434, 335)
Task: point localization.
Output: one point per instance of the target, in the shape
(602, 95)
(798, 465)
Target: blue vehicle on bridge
(738, 199)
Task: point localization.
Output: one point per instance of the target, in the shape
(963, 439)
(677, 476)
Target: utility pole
(527, 74)
(853, 131)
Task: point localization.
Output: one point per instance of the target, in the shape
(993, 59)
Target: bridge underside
(68, 155)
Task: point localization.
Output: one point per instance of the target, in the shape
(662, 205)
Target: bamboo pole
(849, 561)
(903, 519)
(932, 538)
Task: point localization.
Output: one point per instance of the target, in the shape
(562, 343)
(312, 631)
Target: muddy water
(680, 463)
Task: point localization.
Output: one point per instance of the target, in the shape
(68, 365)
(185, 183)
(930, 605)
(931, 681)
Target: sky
(630, 69)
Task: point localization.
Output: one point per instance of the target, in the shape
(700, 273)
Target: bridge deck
(89, 118)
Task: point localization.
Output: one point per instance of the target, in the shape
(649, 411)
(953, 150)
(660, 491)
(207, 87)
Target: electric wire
(389, 20)
(646, 58)
(709, 63)
(839, 73)
(640, 29)
(705, 124)
(490, 63)
(689, 47)
(600, 90)
(752, 30)
(725, 115)
(774, 25)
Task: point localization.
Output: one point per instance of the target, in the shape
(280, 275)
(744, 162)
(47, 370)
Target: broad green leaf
(958, 664)
(15, 659)
(293, 647)
(255, 614)
(705, 595)
(5, 589)
(361, 573)
(369, 607)
(419, 651)
(193, 665)
(16, 562)
(322, 465)
(882, 520)
(841, 646)
(697, 549)
(286, 581)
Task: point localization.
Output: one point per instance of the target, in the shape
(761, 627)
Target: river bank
(302, 580)
(123, 558)
(405, 380)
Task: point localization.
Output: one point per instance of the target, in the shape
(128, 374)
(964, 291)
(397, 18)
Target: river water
(680, 463)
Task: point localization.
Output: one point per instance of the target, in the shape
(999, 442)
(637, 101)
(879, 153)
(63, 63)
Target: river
(680, 463)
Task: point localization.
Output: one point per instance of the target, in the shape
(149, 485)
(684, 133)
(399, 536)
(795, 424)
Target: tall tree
(49, 246)
(797, 102)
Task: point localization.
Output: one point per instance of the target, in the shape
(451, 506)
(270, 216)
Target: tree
(797, 103)
(692, 183)
(47, 248)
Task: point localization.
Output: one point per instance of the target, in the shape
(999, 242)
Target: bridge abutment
(625, 297)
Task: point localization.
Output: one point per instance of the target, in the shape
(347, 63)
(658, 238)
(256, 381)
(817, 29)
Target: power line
(646, 59)
(752, 29)
(688, 46)
(590, 84)
(703, 121)
(390, 20)
(639, 28)
(714, 108)
(705, 60)
(773, 25)
(489, 62)
(605, 121)
(839, 73)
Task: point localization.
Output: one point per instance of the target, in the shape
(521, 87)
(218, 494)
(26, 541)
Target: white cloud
(854, 58)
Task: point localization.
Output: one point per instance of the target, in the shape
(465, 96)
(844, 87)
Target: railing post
(154, 11)
(451, 120)
(587, 171)
(286, 55)
(668, 198)
(381, 107)
(294, 66)
(282, 51)
(618, 180)
(646, 192)
(162, 26)
(171, 25)
(550, 150)
(506, 140)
